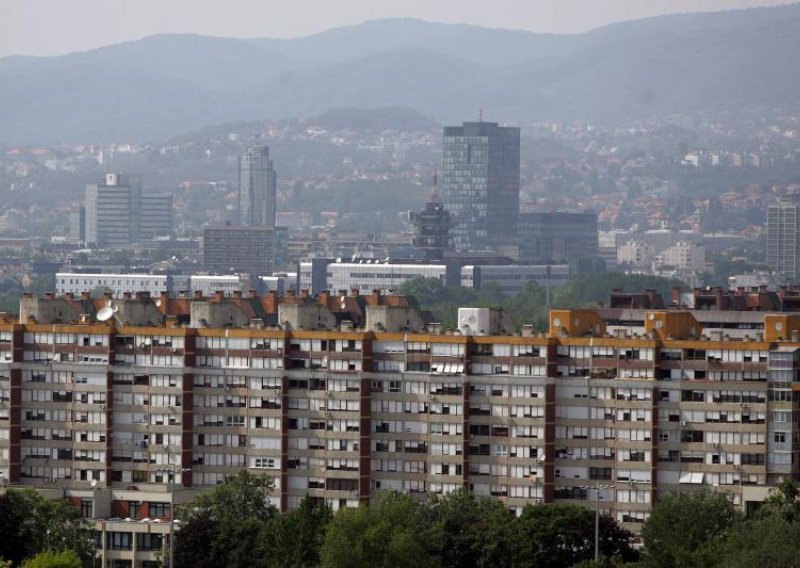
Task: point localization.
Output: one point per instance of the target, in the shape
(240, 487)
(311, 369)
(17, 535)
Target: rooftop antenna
(480, 115)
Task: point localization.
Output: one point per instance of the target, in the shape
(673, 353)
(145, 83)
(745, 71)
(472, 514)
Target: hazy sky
(44, 27)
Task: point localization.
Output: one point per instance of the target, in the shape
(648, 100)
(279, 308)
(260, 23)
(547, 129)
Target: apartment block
(118, 412)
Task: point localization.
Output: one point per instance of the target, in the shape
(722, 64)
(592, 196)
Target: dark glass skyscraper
(480, 184)
(257, 187)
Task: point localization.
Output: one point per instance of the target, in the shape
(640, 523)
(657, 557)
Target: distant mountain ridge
(160, 86)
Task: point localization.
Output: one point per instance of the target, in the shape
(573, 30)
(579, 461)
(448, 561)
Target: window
(158, 510)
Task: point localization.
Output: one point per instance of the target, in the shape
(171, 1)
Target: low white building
(684, 256)
(636, 253)
(369, 276)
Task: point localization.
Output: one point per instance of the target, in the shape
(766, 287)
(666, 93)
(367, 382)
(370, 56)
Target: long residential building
(192, 390)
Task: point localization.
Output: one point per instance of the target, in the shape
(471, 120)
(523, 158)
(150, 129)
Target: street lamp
(597, 487)
(171, 472)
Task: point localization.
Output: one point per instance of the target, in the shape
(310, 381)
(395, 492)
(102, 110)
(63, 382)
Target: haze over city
(433, 284)
(53, 27)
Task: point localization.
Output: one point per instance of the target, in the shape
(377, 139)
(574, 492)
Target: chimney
(164, 302)
(29, 295)
(198, 295)
(49, 295)
(85, 296)
(342, 292)
(219, 295)
(324, 298)
(354, 292)
(251, 293)
(125, 295)
(304, 293)
(676, 295)
(171, 321)
(527, 330)
(237, 293)
(109, 295)
(69, 296)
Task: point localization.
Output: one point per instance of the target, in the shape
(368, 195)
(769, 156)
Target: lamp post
(172, 471)
(597, 487)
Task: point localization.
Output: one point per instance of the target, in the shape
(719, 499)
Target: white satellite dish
(115, 308)
(93, 483)
(158, 303)
(105, 314)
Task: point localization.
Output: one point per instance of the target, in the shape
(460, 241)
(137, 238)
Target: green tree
(584, 290)
(50, 559)
(294, 540)
(430, 294)
(195, 542)
(770, 541)
(387, 534)
(234, 513)
(680, 523)
(471, 531)
(31, 524)
(563, 535)
(783, 501)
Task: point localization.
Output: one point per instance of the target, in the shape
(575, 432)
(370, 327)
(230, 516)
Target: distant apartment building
(240, 248)
(782, 237)
(77, 225)
(684, 256)
(480, 184)
(257, 188)
(118, 212)
(557, 236)
(636, 254)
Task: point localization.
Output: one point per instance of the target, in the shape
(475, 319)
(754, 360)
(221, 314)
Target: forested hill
(163, 85)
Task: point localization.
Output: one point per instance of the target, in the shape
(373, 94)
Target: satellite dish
(105, 314)
(93, 483)
(115, 308)
(158, 303)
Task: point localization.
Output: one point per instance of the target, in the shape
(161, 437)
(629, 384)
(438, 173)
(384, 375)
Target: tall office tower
(118, 213)
(782, 237)
(257, 187)
(480, 184)
(557, 236)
